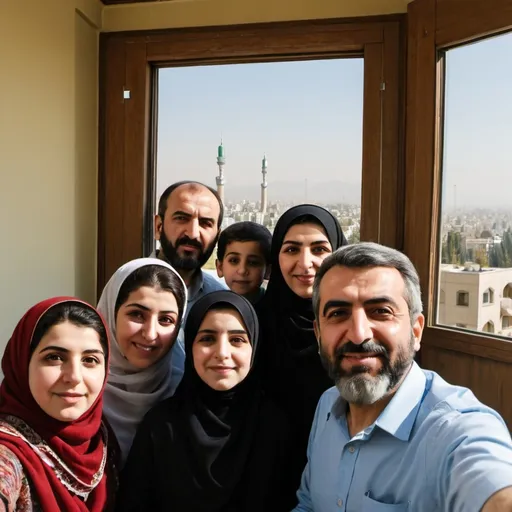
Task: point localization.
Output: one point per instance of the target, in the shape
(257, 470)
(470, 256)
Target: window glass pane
(475, 275)
(291, 133)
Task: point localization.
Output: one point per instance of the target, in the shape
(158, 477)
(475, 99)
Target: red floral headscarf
(64, 461)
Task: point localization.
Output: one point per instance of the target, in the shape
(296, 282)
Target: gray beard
(361, 388)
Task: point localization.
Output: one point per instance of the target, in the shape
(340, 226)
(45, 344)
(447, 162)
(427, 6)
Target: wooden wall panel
(392, 148)
(490, 381)
(419, 157)
(111, 189)
(372, 143)
(136, 148)
(454, 367)
(458, 21)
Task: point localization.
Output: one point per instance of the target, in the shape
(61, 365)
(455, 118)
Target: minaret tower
(221, 160)
(264, 185)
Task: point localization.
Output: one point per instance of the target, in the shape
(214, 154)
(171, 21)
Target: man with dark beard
(391, 436)
(188, 226)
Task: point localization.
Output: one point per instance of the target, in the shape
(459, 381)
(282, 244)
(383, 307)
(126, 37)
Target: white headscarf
(131, 392)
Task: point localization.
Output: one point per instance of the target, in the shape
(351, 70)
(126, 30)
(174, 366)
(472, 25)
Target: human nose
(149, 332)
(306, 259)
(193, 229)
(360, 329)
(72, 372)
(222, 351)
(243, 268)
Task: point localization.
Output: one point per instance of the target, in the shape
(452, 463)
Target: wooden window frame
(127, 148)
(434, 26)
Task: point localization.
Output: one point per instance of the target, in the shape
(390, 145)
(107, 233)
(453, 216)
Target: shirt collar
(400, 414)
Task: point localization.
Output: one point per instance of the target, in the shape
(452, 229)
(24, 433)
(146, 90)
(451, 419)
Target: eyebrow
(179, 212)
(294, 242)
(188, 215)
(66, 351)
(384, 299)
(213, 331)
(145, 308)
(234, 253)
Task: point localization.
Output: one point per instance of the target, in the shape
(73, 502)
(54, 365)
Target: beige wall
(195, 13)
(48, 152)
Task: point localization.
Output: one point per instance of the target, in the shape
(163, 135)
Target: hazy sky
(307, 118)
(478, 141)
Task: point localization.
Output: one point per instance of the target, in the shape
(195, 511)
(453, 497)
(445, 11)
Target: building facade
(476, 299)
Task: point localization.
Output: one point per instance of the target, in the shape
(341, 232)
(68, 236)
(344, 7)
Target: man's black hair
(162, 203)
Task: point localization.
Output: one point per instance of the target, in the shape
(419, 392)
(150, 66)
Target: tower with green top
(264, 185)
(221, 161)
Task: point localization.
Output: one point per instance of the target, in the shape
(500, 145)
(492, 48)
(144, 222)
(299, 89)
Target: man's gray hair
(369, 254)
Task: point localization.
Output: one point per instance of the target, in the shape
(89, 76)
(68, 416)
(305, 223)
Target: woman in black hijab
(217, 444)
(289, 363)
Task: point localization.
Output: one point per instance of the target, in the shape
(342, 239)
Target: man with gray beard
(391, 436)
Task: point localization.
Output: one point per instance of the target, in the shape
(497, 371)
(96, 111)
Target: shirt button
(339, 502)
(351, 449)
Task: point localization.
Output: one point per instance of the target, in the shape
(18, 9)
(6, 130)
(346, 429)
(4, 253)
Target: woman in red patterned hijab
(53, 442)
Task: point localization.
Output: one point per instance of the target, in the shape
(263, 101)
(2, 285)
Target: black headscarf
(211, 450)
(288, 362)
(285, 304)
(287, 319)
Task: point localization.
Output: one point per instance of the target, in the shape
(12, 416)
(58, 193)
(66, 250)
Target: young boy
(243, 258)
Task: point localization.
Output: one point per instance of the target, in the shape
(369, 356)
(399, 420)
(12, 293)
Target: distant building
(477, 299)
(474, 245)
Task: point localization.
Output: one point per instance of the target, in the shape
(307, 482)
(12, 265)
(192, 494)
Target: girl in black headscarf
(218, 444)
(289, 362)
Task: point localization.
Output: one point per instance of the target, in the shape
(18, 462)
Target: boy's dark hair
(162, 203)
(245, 232)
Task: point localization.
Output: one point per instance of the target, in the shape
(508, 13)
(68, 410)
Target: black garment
(288, 360)
(206, 450)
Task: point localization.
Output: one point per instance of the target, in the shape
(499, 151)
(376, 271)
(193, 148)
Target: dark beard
(357, 385)
(192, 262)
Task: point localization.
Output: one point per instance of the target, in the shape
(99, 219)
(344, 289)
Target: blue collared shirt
(435, 447)
(202, 284)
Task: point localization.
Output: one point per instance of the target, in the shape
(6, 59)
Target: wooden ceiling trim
(115, 2)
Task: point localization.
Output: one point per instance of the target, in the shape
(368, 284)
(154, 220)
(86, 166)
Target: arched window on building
(488, 297)
(488, 327)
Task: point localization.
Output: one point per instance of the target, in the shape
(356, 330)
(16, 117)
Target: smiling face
(67, 371)
(146, 325)
(221, 349)
(304, 248)
(243, 267)
(367, 340)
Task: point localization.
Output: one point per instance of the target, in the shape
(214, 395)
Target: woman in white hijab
(143, 305)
